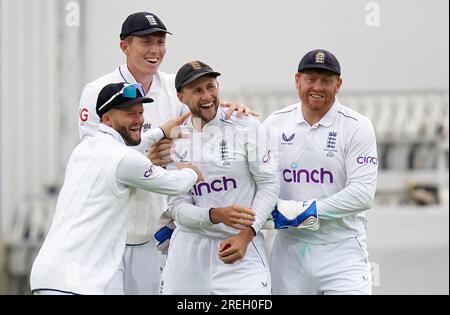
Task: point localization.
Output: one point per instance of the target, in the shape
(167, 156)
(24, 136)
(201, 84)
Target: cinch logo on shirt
(306, 176)
(367, 160)
(223, 184)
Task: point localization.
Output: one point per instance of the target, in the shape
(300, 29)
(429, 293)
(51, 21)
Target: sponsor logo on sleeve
(266, 157)
(84, 114)
(367, 160)
(149, 172)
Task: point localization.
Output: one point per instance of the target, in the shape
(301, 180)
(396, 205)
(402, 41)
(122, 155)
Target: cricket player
(327, 161)
(217, 247)
(143, 41)
(86, 240)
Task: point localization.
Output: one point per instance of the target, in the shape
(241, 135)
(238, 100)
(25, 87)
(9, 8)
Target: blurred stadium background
(395, 71)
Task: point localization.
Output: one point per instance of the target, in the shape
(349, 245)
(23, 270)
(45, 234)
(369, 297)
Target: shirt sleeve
(361, 164)
(185, 213)
(136, 170)
(149, 138)
(262, 161)
(88, 120)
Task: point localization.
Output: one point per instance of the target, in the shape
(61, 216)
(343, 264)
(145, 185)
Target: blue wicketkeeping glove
(163, 238)
(163, 235)
(294, 214)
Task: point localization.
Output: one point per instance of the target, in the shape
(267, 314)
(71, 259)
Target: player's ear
(106, 118)
(298, 75)
(124, 46)
(181, 97)
(339, 83)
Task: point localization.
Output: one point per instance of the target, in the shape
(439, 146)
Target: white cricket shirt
(87, 237)
(166, 106)
(334, 161)
(236, 160)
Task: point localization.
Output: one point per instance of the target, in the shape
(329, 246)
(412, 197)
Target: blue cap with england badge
(320, 59)
(142, 23)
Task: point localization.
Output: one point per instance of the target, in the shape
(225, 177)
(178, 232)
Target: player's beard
(206, 118)
(128, 137)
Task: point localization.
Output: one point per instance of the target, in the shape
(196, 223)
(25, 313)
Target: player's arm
(88, 119)
(234, 248)
(136, 170)
(262, 161)
(263, 164)
(169, 130)
(186, 213)
(237, 108)
(361, 167)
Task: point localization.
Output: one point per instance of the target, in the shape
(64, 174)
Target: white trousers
(302, 268)
(193, 267)
(139, 272)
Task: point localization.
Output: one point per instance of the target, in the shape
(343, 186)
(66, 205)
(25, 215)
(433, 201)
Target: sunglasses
(129, 91)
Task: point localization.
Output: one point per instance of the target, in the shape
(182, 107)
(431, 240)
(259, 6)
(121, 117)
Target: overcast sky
(258, 43)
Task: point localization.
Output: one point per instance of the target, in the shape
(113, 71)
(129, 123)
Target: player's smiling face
(127, 122)
(144, 53)
(317, 89)
(202, 97)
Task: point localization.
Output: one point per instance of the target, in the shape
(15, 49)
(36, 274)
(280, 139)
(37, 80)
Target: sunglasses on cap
(130, 90)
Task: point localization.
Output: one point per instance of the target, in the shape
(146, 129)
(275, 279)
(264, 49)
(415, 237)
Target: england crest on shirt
(330, 146)
(224, 152)
(146, 126)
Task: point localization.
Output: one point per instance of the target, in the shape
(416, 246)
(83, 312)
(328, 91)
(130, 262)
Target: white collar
(327, 120)
(112, 132)
(220, 115)
(126, 75)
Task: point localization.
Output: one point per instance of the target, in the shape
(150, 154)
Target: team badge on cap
(196, 65)
(320, 57)
(191, 71)
(151, 19)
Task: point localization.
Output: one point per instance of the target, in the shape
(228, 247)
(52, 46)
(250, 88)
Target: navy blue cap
(191, 71)
(320, 59)
(110, 97)
(142, 23)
